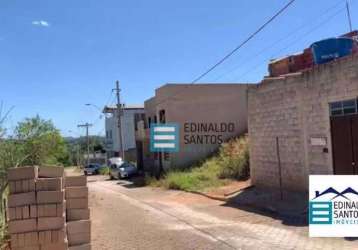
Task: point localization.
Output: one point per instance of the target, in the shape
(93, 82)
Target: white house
(130, 115)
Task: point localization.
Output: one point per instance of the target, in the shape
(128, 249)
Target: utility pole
(349, 16)
(86, 125)
(119, 114)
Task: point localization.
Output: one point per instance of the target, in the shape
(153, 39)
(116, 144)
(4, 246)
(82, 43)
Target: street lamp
(95, 106)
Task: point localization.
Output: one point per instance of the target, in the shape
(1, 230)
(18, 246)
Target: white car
(122, 170)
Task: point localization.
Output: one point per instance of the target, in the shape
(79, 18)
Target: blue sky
(55, 56)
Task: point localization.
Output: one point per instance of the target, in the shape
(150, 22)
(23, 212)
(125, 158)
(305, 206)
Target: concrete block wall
(78, 213)
(37, 208)
(295, 108)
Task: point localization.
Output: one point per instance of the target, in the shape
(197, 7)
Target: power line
(247, 59)
(232, 52)
(244, 42)
(349, 16)
(294, 42)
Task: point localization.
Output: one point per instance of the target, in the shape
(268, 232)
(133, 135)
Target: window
(162, 116)
(346, 107)
(155, 119)
(149, 121)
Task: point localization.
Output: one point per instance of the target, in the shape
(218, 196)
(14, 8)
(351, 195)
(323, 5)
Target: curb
(213, 197)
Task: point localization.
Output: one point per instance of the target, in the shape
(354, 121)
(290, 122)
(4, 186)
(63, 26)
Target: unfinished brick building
(304, 123)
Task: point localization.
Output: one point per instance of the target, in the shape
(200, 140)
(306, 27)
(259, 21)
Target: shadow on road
(291, 210)
(132, 182)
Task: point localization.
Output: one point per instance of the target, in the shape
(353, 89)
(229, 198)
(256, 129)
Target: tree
(40, 142)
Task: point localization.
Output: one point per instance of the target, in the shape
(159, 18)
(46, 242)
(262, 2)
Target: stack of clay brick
(37, 219)
(78, 214)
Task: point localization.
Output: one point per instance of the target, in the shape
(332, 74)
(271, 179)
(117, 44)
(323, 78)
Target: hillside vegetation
(230, 163)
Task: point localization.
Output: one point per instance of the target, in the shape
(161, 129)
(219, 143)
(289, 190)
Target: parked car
(92, 169)
(121, 170)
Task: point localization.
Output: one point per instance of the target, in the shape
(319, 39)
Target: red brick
(22, 226)
(18, 213)
(15, 187)
(22, 173)
(21, 240)
(48, 210)
(12, 213)
(16, 200)
(26, 212)
(33, 211)
(76, 192)
(58, 236)
(42, 237)
(50, 223)
(49, 184)
(12, 187)
(55, 236)
(48, 239)
(55, 246)
(27, 248)
(77, 203)
(32, 185)
(78, 214)
(46, 197)
(51, 171)
(60, 208)
(79, 238)
(34, 238)
(25, 186)
(75, 181)
(81, 247)
(18, 187)
(81, 226)
(14, 240)
(28, 239)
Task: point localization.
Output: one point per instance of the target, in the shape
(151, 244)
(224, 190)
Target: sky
(56, 56)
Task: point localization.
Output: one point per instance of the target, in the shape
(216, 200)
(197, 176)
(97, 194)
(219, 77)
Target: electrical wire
(274, 44)
(232, 52)
(325, 21)
(244, 42)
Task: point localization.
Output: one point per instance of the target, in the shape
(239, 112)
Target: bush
(231, 162)
(234, 159)
(104, 171)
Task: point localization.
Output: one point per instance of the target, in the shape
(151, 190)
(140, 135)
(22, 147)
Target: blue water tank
(330, 49)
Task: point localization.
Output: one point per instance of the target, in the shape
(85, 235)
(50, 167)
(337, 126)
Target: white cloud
(41, 23)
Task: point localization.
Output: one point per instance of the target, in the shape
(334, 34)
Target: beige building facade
(304, 123)
(207, 115)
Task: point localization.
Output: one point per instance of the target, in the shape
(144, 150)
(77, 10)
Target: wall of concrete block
(37, 205)
(36, 208)
(295, 108)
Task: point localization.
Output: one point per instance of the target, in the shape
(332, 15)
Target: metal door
(344, 130)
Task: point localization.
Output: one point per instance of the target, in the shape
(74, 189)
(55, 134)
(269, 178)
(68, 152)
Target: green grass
(231, 162)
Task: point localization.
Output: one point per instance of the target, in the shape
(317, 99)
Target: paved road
(126, 217)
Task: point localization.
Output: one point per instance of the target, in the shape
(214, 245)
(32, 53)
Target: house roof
(111, 108)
